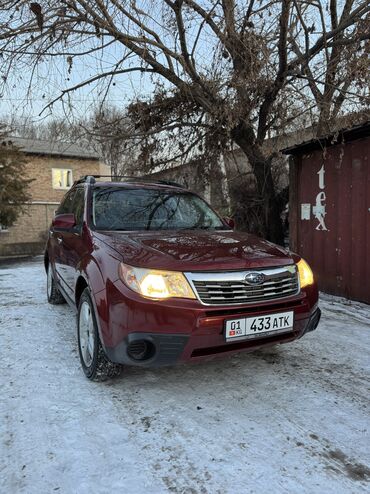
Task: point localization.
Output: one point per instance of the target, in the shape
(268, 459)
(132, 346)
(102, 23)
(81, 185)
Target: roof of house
(52, 148)
(340, 136)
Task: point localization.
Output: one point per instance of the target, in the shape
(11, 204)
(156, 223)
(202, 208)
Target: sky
(51, 76)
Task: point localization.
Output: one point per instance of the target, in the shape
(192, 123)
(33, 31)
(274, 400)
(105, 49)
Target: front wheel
(94, 361)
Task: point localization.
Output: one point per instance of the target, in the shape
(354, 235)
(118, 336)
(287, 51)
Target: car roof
(141, 185)
(128, 182)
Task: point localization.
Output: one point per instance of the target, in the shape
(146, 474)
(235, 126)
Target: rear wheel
(94, 361)
(53, 294)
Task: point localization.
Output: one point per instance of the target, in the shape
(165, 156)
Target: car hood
(195, 250)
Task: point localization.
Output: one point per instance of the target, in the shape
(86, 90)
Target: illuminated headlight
(305, 273)
(154, 283)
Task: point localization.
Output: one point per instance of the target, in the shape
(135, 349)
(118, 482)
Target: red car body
(175, 329)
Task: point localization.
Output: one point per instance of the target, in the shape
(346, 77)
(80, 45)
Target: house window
(61, 178)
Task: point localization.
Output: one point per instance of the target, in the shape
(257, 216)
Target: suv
(158, 277)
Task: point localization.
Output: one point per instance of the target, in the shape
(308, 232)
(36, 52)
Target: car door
(57, 238)
(73, 242)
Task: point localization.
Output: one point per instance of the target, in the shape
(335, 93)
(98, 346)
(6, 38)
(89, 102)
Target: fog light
(140, 350)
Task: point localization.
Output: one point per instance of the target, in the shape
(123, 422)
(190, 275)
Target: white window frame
(63, 187)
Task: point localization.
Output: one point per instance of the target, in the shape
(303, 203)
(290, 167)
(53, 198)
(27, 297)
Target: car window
(78, 205)
(150, 209)
(66, 205)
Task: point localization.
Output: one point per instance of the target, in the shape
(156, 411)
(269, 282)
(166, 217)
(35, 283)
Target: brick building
(54, 166)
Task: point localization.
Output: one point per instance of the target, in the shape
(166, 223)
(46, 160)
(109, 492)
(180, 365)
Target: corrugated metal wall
(330, 216)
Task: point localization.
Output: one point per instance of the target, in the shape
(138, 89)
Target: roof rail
(88, 179)
(168, 182)
(91, 179)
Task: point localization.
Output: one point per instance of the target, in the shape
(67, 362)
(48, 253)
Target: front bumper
(185, 330)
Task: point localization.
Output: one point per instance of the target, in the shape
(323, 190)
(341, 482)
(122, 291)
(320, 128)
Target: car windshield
(151, 209)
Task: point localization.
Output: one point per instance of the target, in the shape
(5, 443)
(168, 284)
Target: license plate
(255, 327)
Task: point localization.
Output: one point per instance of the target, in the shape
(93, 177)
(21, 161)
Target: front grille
(231, 288)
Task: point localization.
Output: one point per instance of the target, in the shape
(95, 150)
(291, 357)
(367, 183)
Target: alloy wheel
(86, 334)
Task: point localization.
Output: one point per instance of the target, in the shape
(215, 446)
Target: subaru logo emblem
(255, 278)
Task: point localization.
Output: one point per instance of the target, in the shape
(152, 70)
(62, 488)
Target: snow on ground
(289, 419)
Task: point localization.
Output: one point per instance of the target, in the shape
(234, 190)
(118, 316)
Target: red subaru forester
(157, 277)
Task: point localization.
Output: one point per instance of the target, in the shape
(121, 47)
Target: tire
(52, 292)
(94, 362)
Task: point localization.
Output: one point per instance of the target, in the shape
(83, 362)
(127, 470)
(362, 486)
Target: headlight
(305, 273)
(154, 283)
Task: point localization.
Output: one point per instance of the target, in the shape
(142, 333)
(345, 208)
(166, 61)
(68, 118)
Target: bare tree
(110, 132)
(14, 190)
(233, 71)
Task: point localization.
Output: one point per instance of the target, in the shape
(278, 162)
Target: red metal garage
(330, 210)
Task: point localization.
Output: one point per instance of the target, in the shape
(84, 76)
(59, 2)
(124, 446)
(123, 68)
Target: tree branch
(93, 79)
(280, 79)
(320, 43)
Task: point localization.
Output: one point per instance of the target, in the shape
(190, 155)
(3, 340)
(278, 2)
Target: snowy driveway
(294, 418)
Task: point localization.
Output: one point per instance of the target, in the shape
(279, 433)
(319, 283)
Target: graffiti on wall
(319, 208)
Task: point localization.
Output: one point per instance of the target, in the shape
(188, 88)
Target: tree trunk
(268, 206)
(323, 126)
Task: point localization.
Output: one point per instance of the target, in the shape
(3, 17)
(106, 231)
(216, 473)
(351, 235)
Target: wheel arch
(95, 272)
(89, 276)
(81, 284)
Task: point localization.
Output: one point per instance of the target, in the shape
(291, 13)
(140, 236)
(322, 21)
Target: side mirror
(64, 221)
(230, 222)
